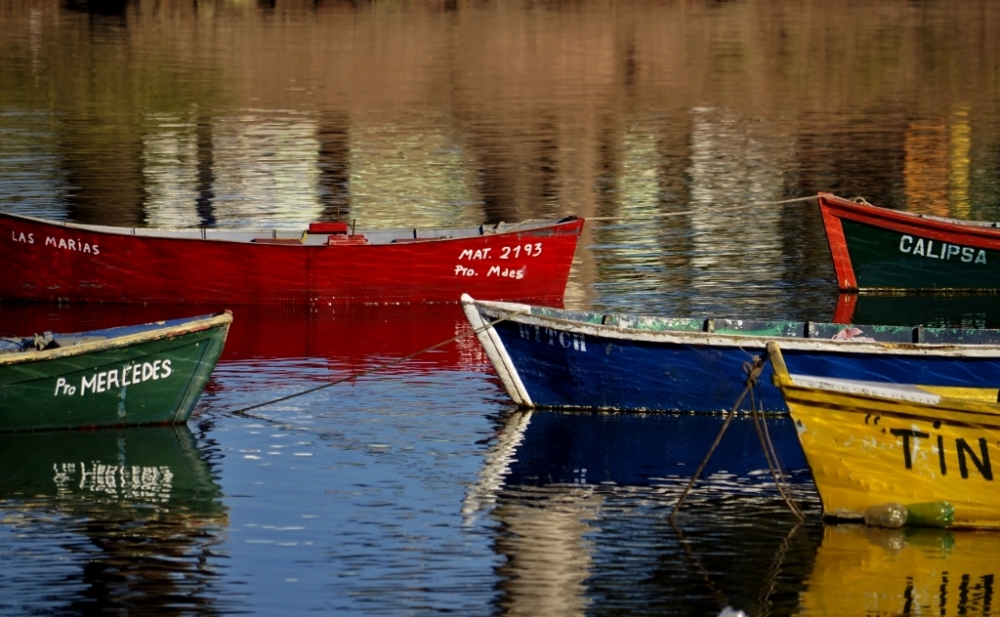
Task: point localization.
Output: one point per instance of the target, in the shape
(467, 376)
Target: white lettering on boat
(71, 244)
(27, 238)
(475, 254)
(461, 270)
(927, 248)
(115, 378)
(149, 483)
(505, 272)
(550, 336)
(529, 249)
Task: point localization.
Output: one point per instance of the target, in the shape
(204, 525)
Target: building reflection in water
(936, 168)
(134, 514)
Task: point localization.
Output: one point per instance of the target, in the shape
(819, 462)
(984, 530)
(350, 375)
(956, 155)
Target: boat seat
(277, 240)
(344, 240)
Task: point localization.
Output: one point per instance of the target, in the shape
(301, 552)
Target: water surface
(685, 132)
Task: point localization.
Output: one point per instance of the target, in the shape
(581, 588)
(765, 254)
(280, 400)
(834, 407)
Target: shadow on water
(111, 520)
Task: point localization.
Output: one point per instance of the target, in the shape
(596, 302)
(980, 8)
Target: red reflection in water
(355, 338)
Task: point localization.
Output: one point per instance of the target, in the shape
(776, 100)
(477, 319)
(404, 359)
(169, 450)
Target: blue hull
(586, 371)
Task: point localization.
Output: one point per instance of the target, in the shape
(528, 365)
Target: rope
(755, 369)
(375, 369)
(687, 212)
(772, 462)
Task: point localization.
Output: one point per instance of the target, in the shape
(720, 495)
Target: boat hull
(555, 359)
(154, 376)
(880, 249)
(868, 446)
(76, 263)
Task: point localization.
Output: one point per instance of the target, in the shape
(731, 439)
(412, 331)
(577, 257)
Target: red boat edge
(878, 249)
(327, 263)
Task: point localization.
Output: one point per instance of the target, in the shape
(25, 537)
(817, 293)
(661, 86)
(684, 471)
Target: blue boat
(556, 358)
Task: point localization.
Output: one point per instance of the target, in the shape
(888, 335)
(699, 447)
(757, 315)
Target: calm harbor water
(676, 128)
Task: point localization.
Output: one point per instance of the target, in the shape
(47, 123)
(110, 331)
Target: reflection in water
(912, 571)
(736, 160)
(576, 496)
(543, 536)
(936, 165)
(347, 338)
(135, 516)
(930, 310)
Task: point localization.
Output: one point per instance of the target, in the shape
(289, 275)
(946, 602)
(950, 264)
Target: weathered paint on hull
(562, 364)
(879, 249)
(155, 381)
(869, 571)
(868, 450)
(117, 266)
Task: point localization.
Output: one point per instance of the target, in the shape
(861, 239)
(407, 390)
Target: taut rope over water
(686, 212)
(374, 369)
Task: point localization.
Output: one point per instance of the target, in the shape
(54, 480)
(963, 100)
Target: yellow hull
(870, 571)
(868, 446)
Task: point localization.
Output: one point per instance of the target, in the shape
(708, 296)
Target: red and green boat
(150, 373)
(878, 249)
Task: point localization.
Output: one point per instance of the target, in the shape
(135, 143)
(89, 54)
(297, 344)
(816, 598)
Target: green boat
(878, 249)
(150, 373)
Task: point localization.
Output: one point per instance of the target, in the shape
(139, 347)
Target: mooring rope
(687, 212)
(754, 368)
(751, 380)
(773, 463)
(374, 369)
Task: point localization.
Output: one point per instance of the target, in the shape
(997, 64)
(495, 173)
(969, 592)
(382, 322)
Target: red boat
(326, 263)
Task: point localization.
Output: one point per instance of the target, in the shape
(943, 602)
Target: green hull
(154, 376)
(887, 259)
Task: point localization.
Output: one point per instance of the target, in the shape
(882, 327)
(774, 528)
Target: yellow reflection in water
(936, 166)
(960, 141)
(871, 571)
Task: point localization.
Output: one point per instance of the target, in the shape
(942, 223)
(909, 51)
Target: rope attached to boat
(754, 368)
(772, 458)
(374, 369)
(687, 212)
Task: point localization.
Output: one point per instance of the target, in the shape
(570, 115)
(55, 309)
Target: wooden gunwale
(90, 346)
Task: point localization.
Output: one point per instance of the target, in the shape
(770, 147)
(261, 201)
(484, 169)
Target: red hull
(56, 261)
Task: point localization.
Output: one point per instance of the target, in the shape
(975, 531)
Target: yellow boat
(895, 454)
